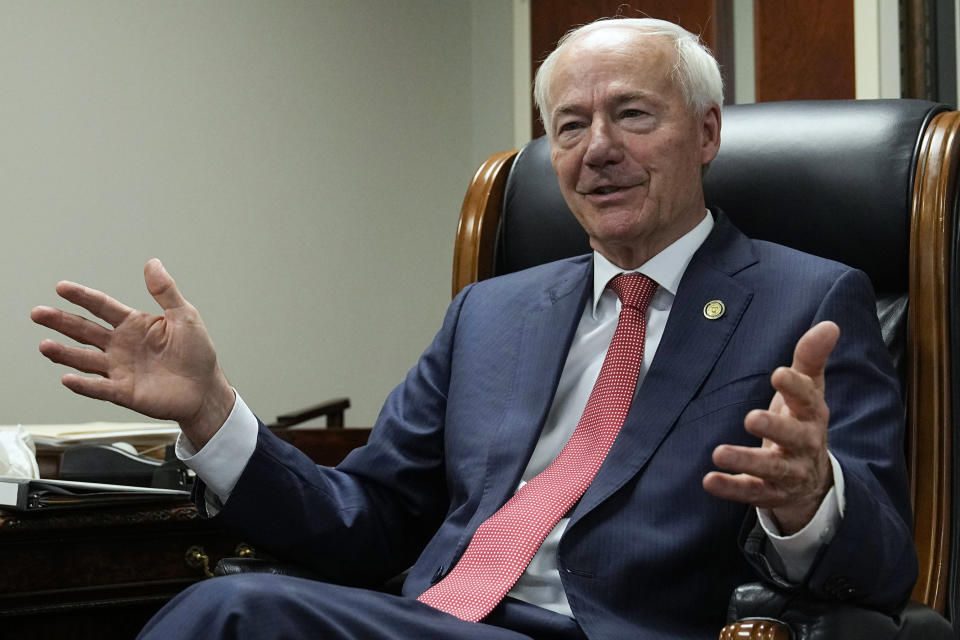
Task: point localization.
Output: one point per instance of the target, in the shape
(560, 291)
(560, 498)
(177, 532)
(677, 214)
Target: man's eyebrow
(616, 100)
(630, 96)
(565, 109)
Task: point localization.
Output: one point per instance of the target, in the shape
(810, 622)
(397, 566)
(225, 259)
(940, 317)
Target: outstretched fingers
(797, 430)
(790, 473)
(162, 286)
(742, 487)
(75, 327)
(754, 475)
(762, 462)
(800, 395)
(96, 302)
(96, 388)
(813, 349)
(86, 360)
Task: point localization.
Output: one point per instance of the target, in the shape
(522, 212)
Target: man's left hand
(790, 473)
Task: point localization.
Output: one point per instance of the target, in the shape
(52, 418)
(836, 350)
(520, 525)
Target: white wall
(299, 166)
(744, 70)
(877, 48)
(492, 65)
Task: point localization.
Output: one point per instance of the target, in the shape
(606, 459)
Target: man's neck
(632, 256)
(666, 268)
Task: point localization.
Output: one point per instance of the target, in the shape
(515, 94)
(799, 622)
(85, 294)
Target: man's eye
(569, 126)
(631, 113)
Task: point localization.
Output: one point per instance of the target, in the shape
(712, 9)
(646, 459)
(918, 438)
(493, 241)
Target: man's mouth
(605, 190)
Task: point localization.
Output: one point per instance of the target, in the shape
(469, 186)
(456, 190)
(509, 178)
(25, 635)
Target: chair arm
(757, 609)
(332, 409)
(231, 566)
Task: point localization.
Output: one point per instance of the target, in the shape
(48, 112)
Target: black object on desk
(108, 464)
(172, 473)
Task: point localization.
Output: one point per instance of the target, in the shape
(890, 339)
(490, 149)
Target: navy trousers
(271, 607)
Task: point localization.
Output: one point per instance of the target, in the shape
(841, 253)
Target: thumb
(161, 286)
(814, 347)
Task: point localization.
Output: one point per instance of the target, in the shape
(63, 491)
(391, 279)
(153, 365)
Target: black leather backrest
(831, 178)
(536, 225)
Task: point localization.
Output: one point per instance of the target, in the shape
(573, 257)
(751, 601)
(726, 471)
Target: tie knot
(634, 290)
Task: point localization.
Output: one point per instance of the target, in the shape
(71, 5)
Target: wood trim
(756, 630)
(913, 66)
(721, 43)
(479, 219)
(929, 388)
(804, 50)
(333, 410)
(324, 446)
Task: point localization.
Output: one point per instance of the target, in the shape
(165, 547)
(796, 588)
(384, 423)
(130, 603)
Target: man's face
(627, 152)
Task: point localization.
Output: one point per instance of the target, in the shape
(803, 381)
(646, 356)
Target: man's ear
(710, 134)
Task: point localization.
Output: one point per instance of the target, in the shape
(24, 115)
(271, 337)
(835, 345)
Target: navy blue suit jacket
(647, 553)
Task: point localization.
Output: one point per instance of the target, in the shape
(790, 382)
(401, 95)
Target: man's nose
(604, 147)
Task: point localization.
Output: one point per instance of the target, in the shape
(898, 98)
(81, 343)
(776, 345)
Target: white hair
(696, 71)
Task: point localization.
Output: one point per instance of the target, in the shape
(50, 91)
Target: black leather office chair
(869, 183)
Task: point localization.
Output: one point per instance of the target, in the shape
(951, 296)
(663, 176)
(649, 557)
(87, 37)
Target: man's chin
(614, 224)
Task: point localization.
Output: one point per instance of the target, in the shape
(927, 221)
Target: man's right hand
(161, 366)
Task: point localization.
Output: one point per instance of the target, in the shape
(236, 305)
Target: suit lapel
(549, 322)
(689, 348)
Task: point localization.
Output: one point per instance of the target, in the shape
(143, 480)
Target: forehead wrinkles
(593, 70)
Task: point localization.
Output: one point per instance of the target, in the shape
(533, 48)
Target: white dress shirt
(220, 463)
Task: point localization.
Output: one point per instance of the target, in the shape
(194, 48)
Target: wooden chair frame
(479, 221)
(929, 387)
(929, 379)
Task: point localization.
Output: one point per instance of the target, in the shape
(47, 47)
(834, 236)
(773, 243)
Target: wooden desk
(98, 573)
(102, 573)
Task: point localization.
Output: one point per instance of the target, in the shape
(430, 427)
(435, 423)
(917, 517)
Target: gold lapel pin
(714, 310)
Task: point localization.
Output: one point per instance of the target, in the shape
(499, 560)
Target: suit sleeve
(871, 559)
(367, 519)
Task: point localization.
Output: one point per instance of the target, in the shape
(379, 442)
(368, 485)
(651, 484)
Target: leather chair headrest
(832, 178)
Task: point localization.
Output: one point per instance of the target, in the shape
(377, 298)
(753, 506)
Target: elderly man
(549, 467)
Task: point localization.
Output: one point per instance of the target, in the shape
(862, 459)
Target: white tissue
(18, 455)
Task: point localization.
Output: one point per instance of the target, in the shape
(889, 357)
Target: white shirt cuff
(221, 461)
(799, 550)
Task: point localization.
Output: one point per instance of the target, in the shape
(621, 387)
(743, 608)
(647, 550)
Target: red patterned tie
(504, 544)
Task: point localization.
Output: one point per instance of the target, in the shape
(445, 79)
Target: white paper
(18, 455)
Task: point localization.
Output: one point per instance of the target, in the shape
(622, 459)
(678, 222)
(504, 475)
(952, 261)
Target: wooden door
(803, 49)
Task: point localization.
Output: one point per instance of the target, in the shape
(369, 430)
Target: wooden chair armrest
(756, 629)
(332, 409)
(232, 566)
(760, 612)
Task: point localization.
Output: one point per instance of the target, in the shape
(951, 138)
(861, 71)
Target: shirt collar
(666, 268)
